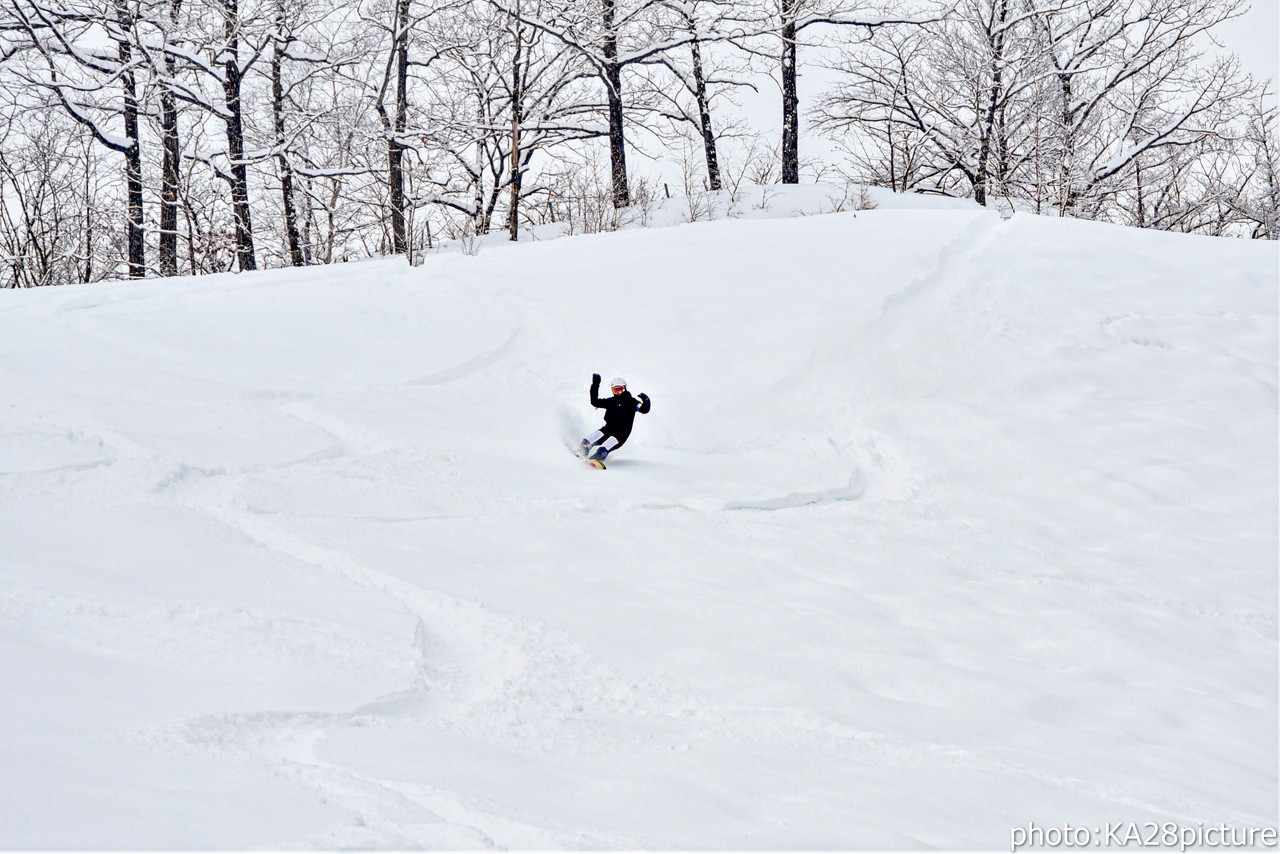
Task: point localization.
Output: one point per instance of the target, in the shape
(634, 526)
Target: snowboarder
(619, 415)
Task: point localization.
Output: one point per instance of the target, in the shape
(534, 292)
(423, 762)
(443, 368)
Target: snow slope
(940, 525)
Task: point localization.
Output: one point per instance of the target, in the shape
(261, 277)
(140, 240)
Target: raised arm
(595, 392)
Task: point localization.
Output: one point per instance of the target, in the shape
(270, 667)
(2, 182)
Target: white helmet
(616, 382)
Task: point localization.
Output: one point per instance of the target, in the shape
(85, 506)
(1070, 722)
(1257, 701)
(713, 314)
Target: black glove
(644, 397)
(595, 379)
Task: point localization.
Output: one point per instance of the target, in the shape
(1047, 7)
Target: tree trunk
(704, 112)
(1270, 217)
(171, 162)
(613, 87)
(172, 158)
(995, 94)
(292, 237)
(1067, 192)
(1140, 202)
(396, 127)
(135, 239)
(87, 274)
(239, 170)
(517, 97)
(133, 181)
(790, 97)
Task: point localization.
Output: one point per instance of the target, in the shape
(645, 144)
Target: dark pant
(606, 440)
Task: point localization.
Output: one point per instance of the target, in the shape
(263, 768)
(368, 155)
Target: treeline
(165, 137)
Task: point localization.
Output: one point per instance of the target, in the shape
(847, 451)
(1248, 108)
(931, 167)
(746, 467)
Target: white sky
(1256, 37)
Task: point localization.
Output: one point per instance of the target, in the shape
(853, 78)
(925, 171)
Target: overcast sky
(1256, 37)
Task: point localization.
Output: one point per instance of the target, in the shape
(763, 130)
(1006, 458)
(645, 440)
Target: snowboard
(595, 464)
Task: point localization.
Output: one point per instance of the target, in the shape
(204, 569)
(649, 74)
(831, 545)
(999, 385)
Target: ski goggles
(619, 389)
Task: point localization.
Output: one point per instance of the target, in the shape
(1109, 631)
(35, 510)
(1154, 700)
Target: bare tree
(500, 94)
(1119, 64)
(164, 71)
(311, 46)
(237, 166)
(50, 223)
(282, 37)
(1257, 201)
(393, 109)
(793, 18)
(72, 66)
(703, 75)
(948, 101)
(610, 38)
(1070, 104)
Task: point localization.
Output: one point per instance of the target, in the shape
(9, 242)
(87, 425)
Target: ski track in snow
(498, 676)
(470, 656)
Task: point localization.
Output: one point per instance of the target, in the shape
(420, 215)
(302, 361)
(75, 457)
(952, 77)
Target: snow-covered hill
(941, 524)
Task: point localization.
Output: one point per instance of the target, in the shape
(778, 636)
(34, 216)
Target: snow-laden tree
(160, 51)
(497, 94)
(951, 100)
(86, 55)
(1258, 201)
(397, 19)
(1128, 77)
(267, 132)
(611, 38)
(54, 224)
(1064, 104)
(313, 46)
(778, 29)
(705, 71)
(202, 52)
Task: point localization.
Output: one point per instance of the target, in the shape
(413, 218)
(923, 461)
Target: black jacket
(619, 410)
